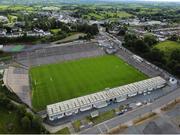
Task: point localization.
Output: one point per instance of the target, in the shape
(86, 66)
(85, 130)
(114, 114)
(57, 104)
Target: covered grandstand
(53, 54)
(101, 99)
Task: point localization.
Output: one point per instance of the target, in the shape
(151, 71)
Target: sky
(151, 0)
(164, 0)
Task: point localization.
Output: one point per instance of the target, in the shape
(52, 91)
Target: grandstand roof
(83, 101)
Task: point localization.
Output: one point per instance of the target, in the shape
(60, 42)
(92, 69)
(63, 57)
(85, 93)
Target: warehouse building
(103, 98)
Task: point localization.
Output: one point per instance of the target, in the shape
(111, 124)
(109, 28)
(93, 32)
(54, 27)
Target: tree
(150, 40)
(4, 101)
(36, 123)
(122, 31)
(129, 39)
(21, 110)
(29, 115)
(174, 37)
(175, 55)
(107, 29)
(95, 29)
(174, 62)
(91, 29)
(10, 106)
(177, 69)
(140, 46)
(1, 52)
(26, 123)
(155, 55)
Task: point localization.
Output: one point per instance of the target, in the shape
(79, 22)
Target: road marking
(106, 126)
(99, 129)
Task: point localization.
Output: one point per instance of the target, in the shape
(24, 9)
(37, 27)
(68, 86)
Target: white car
(138, 104)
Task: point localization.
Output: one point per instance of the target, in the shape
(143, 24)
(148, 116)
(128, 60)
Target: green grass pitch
(62, 81)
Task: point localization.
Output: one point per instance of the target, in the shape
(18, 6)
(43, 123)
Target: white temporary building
(101, 99)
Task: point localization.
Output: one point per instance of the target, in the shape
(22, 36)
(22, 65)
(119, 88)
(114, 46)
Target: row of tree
(144, 47)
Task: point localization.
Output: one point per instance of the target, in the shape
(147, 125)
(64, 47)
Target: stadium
(68, 79)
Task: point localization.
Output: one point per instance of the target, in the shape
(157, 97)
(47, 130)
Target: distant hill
(70, 1)
(61, 1)
(42, 1)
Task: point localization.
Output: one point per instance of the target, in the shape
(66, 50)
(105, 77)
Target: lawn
(62, 81)
(76, 124)
(119, 14)
(168, 47)
(97, 16)
(70, 38)
(50, 8)
(63, 131)
(103, 117)
(55, 31)
(3, 7)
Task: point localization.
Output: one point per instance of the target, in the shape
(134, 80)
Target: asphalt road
(132, 114)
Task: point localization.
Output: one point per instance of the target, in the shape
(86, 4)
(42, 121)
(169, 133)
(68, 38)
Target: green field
(168, 47)
(107, 15)
(16, 8)
(58, 82)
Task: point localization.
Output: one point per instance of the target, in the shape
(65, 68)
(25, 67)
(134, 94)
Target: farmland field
(107, 15)
(16, 8)
(62, 81)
